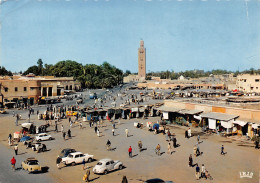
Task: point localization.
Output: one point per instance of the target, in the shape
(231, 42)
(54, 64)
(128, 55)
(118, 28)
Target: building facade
(248, 83)
(21, 89)
(142, 61)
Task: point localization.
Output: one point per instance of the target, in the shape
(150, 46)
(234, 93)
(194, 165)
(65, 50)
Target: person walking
(195, 151)
(124, 180)
(126, 132)
(13, 161)
(13, 114)
(62, 129)
(174, 142)
(58, 161)
(157, 150)
(186, 134)
(222, 150)
(203, 169)
(88, 174)
(169, 148)
(189, 133)
(69, 133)
(56, 127)
(130, 152)
(197, 173)
(257, 144)
(113, 131)
(140, 145)
(16, 149)
(108, 144)
(198, 138)
(83, 163)
(80, 125)
(64, 135)
(10, 139)
(190, 161)
(98, 133)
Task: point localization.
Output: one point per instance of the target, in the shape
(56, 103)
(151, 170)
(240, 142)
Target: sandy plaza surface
(239, 157)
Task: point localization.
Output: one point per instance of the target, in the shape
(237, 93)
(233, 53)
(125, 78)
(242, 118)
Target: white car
(106, 165)
(43, 136)
(76, 158)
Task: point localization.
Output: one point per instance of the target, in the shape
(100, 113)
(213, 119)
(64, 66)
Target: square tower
(141, 61)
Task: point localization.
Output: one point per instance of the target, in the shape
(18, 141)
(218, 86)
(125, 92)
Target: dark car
(65, 152)
(157, 180)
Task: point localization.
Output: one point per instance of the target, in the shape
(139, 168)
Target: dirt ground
(146, 164)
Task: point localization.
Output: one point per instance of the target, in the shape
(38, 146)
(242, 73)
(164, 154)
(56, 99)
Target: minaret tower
(141, 61)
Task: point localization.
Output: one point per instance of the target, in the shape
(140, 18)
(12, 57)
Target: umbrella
(156, 126)
(25, 138)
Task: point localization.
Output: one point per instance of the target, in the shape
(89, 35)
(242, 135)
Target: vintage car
(106, 165)
(65, 152)
(43, 136)
(31, 165)
(76, 158)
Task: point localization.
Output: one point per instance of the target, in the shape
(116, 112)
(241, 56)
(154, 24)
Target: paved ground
(144, 165)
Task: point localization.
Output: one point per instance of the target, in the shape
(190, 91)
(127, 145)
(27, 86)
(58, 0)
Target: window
(16, 89)
(244, 80)
(252, 88)
(24, 88)
(256, 80)
(6, 89)
(256, 87)
(108, 163)
(31, 88)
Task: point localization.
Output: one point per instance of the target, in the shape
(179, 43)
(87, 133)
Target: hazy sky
(178, 35)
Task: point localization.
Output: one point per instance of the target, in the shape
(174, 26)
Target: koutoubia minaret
(141, 60)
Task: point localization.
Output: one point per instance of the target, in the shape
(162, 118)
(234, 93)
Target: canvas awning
(255, 126)
(190, 112)
(240, 123)
(219, 116)
(168, 109)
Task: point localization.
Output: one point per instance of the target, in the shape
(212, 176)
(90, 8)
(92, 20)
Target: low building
(28, 89)
(248, 83)
(131, 78)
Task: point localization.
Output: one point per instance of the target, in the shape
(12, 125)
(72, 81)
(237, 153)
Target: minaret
(141, 61)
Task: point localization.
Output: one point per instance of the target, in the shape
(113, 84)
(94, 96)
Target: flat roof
(168, 109)
(191, 112)
(219, 116)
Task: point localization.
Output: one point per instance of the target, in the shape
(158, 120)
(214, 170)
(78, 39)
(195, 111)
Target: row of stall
(214, 121)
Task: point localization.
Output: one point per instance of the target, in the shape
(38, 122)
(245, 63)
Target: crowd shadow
(22, 153)
(143, 149)
(134, 155)
(91, 180)
(162, 153)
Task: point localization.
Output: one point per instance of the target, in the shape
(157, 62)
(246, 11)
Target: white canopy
(212, 124)
(227, 124)
(255, 126)
(240, 123)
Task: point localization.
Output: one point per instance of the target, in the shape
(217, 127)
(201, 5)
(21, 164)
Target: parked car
(31, 165)
(43, 136)
(76, 158)
(106, 165)
(65, 152)
(157, 180)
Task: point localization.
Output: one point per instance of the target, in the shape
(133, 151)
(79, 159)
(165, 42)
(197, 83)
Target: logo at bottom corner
(246, 175)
